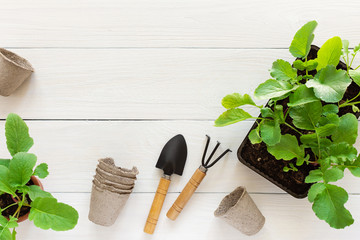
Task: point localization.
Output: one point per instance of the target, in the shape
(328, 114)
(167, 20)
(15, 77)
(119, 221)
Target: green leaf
(302, 95)
(341, 152)
(354, 168)
(345, 45)
(4, 181)
(35, 192)
(254, 136)
(279, 113)
(236, 100)
(288, 148)
(329, 206)
(48, 213)
(326, 130)
(347, 130)
(300, 45)
(282, 70)
(17, 135)
(309, 65)
(270, 132)
(231, 116)
(329, 84)
(355, 75)
(5, 233)
(273, 89)
(330, 108)
(5, 162)
(315, 190)
(333, 174)
(329, 53)
(355, 109)
(356, 48)
(306, 116)
(314, 176)
(41, 170)
(21, 168)
(267, 112)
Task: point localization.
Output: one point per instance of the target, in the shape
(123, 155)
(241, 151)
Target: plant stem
(293, 128)
(352, 61)
(348, 104)
(9, 206)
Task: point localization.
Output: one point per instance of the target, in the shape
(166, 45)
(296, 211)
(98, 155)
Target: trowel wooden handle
(157, 205)
(186, 194)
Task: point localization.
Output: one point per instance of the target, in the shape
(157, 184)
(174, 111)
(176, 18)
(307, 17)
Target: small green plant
(45, 211)
(313, 91)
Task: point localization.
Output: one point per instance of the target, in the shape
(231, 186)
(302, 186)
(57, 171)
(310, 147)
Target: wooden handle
(157, 205)
(186, 194)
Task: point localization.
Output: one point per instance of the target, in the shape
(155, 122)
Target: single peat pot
(257, 158)
(13, 71)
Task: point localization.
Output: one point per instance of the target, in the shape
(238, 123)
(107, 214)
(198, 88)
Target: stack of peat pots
(111, 189)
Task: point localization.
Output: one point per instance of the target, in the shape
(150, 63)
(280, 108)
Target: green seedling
(315, 90)
(45, 211)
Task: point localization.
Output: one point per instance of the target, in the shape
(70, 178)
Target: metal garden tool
(172, 160)
(194, 181)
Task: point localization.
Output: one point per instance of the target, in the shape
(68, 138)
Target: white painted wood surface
(119, 78)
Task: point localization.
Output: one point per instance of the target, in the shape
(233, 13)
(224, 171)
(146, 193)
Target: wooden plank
(286, 218)
(180, 23)
(72, 149)
(136, 83)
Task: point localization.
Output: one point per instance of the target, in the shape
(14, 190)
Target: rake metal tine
(216, 160)
(206, 148)
(212, 154)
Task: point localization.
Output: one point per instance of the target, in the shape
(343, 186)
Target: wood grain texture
(286, 218)
(72, 149)
(179, 23)
(157, 205)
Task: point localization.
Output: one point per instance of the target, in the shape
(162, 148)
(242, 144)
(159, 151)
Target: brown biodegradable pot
(105, 206)
(115, 178)
(110, 188)
(108, 165)
(13, 71)
(112, 184)
(37, 182)
(239, 210)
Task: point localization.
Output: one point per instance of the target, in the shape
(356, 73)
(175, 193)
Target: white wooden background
(119, 78)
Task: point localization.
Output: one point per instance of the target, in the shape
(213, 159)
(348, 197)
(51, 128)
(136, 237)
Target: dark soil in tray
(6, 200)
(258, 159)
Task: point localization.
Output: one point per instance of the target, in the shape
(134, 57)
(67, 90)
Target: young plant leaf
(314, 176)
(341, 152)
(355, 75)
(302, 95)
(354, 167)
(17, 135)
(356, 48)
(347, 130)
(270, 132)
(306, 116)
(4, 181)
(21, 168)
(231, 116)
(273, 89)
(329, 53)
(236, 100)
(315, 190)
(300, 45)
(333, 174)
(329, 84)
(41, 170)
(288, 148)
(254, 136)
(309, 65)
(5, 162)
(329, 109)
(48, 213)
(35, 192)
(282, 70)
(5, 233)
(329, 206)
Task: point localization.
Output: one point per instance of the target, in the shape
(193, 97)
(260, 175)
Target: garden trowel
(172, 160)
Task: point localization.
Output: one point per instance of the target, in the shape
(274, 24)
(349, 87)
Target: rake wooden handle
(157, 205)
(186, 194)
